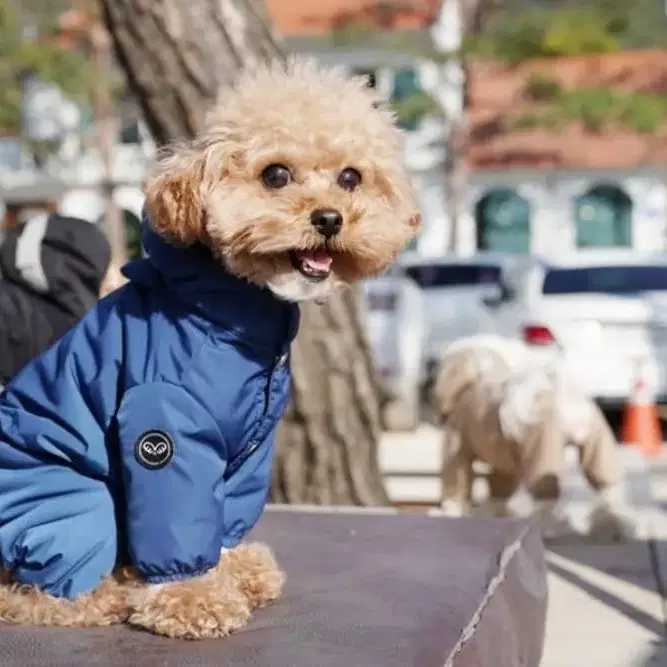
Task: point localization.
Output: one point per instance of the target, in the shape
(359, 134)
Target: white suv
(603, 310)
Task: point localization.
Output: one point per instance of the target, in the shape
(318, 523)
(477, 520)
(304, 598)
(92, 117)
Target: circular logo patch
(154, 450)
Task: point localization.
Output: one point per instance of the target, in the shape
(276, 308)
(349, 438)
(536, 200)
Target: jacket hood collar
(250, 312)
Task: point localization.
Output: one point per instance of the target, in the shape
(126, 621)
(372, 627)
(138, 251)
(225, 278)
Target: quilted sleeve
(174, 460)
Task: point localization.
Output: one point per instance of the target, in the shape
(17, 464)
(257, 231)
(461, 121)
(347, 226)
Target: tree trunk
(176, 54)
(327, 451)
(104, 120)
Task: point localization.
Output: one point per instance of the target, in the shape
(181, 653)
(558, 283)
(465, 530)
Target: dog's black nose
(327, 221)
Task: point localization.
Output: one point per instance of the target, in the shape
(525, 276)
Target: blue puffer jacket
(145, 434)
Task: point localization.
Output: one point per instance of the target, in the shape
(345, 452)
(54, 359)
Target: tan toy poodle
(135, 454)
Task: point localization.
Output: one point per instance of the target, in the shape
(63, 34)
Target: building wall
(552, 198)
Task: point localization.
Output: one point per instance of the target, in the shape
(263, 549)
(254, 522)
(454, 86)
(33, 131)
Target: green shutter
(603, 218)
(595, 222)
(503, 222)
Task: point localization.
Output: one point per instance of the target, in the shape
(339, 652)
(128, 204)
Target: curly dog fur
(108, 604)
(247, 578)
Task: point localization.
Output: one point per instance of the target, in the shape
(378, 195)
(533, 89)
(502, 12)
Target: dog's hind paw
(27, 605)
(201, 608)
(253, 566)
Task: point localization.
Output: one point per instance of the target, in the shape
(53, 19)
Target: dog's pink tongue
(317, 260)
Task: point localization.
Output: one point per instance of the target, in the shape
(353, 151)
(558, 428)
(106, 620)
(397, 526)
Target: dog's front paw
(253, 566)
(201, 608)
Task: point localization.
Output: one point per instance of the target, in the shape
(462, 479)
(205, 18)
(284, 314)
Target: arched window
(503, 222)
(132, 233)
(603, 218)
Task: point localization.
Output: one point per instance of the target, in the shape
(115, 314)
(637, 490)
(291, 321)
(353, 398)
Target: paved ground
(603, 609)
(608, 602)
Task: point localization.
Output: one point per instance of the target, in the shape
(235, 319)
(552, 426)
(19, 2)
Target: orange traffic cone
(641, 424)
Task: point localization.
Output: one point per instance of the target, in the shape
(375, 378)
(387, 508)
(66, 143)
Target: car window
(605, 279)
(448, 275)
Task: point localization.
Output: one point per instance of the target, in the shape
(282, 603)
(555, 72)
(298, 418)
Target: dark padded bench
(365, 589)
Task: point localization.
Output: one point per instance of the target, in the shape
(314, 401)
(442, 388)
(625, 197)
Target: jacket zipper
(256, 442)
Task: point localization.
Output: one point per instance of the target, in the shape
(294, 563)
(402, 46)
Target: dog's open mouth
(313, 264)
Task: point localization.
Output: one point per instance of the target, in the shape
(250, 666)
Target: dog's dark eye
(276, 176)
(349, 179)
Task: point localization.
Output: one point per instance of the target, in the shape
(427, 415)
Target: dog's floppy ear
(173, 197)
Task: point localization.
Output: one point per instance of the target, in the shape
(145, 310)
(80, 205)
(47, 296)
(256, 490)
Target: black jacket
(51, 270)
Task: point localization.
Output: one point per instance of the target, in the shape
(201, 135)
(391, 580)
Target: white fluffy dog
(502, 405)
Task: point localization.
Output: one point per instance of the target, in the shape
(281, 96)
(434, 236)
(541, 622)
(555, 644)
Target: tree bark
(327, 448)
(100, 48)
(176, 54)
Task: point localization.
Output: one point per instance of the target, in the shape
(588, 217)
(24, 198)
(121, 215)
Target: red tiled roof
(317, 17)
(496, 97)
